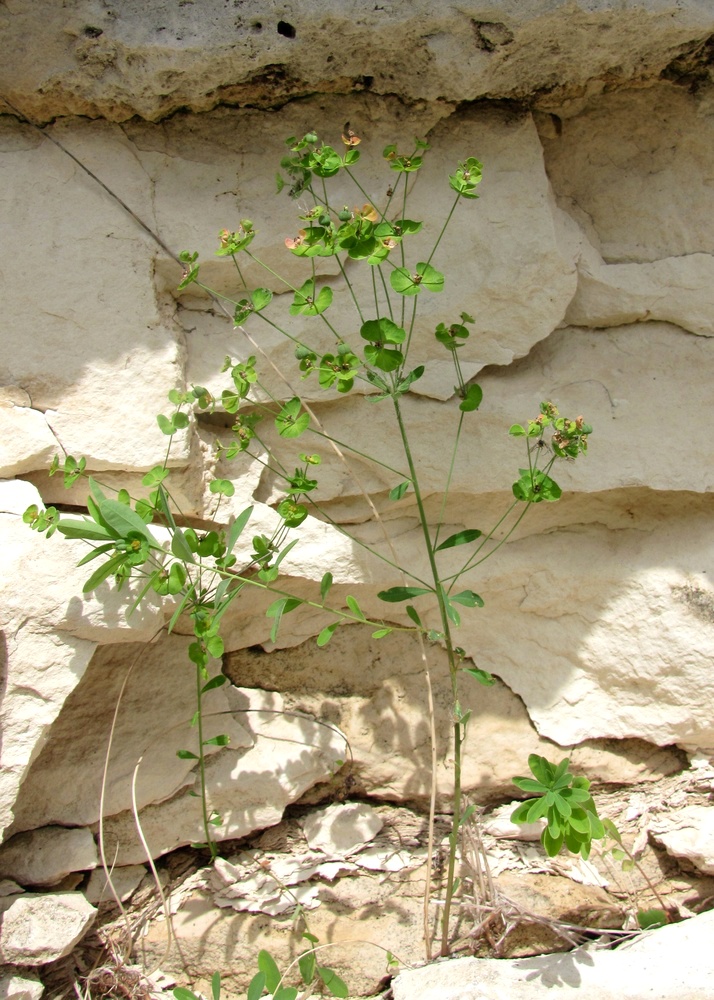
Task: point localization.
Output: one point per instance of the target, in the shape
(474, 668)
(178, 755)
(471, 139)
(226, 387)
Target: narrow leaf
(460, 538)
(396, 594)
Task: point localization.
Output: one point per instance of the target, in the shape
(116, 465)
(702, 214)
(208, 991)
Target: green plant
(204, 571)
(564, 801)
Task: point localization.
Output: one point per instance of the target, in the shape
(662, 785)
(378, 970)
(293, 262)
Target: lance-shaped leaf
(460, 538)
(396, 594)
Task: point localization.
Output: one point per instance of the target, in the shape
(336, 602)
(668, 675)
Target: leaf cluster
(564, 801)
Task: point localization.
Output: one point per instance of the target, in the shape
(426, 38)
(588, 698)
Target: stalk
(446, 627)
(210, 843)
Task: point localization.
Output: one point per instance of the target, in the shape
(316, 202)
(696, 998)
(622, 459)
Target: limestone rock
(249, 788)
(102, 374)
(120, 62)
(688, 833)
(125, 881)
(625, 168)
(16, 987)
(153, 723)
(672, 963)
(678, 290)
(37, 929)
(341, 828)
(26, 441)
(45, 856)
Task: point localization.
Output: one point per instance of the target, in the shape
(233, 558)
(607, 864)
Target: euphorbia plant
(201, 571)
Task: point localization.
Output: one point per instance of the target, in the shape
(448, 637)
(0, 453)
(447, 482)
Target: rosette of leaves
(564, 800)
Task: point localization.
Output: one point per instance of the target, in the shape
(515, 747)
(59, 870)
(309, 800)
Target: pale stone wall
(588, 263)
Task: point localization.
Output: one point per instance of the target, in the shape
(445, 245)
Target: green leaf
(529, 785)
(179, 546)
(520, 814)
(217, 741)
(381, 632)
(123, 519)
(187, 755)
(100, 550)
(396, 594)
(648, 919)
(97, 492)
(306, 303)
(398, 491)
(355, 608)
(181, 993)
(256, 987)
(215, 682)
(71, 528)
(286, 993)
(472, 400)
(327, 633)
(106, 570)
(276, 611)
(261, 297)
(223, 486)
(214, 645)
(306, 964)
(166, 425)
(460, 538)
(290, 423)
(414, 615)
(482, 676)
(235, 530)
(383, 331)
(468, 598)
(325, 585)
(332, 981)
(216, 986)
(384, 358)
(516, 430)
(155, 476)
(266, 964)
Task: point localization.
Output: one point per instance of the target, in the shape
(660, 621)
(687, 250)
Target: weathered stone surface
(678, 290)
(38, 929)
(45, 856)
(627, 166)
(125, 881)
(688, 833)
(26, 441)
(341, 827)
(64, 784)
(672, 963)
(15, 987)
(130, 60)
(107, 358)
(248, 788)
(375, 691)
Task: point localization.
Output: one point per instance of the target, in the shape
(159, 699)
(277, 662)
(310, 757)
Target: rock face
(40, 929)
(128, 135)
(635, 971)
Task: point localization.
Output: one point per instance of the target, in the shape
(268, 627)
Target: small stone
(125, 881)
(20, 988)
(688, 833)
(45, 856)
(37, 929)
(341, 828)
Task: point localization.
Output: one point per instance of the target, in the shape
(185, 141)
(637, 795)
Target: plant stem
(446, 627)
(210, 843)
